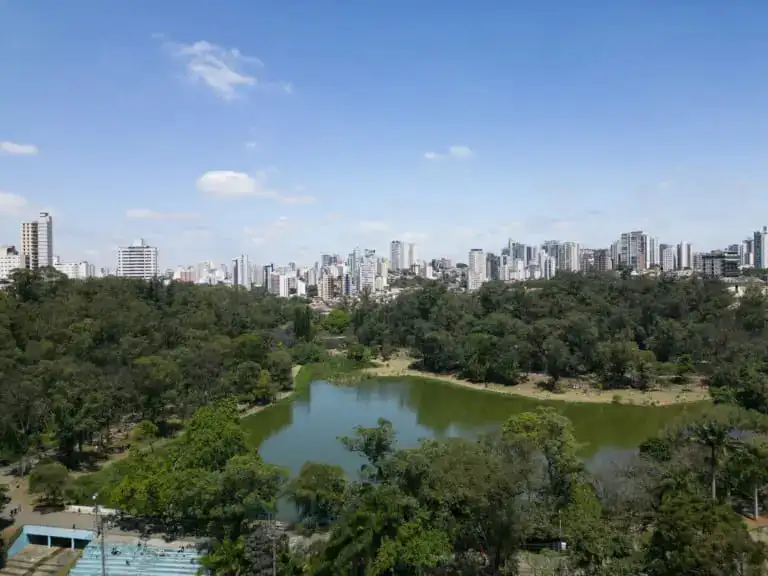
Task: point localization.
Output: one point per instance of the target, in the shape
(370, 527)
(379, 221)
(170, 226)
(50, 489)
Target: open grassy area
(574, 390)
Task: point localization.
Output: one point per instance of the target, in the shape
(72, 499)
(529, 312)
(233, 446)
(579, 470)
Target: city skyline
(282, 133)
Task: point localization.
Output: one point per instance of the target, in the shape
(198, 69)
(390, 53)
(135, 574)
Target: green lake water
(308, 428)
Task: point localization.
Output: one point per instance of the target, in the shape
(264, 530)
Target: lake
(308, 428)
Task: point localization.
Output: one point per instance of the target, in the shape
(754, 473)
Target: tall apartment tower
(476, 269)
(138, 260)
(396, 254)
(37, 242)
(760, 248)
(684, 256)
(633, 250)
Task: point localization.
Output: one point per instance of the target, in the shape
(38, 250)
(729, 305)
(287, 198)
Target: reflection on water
(308, 428)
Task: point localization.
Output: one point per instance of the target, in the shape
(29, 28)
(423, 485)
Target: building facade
(138, 260)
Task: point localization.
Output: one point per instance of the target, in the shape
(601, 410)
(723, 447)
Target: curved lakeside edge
(400, 367)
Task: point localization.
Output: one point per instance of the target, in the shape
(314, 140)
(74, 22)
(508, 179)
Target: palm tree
(715, 432)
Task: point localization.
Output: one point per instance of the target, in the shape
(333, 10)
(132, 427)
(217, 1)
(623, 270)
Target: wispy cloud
(226, 71)
(231, 184)
(458, 152)
(11, 204)
(147, 214)
(16, 149)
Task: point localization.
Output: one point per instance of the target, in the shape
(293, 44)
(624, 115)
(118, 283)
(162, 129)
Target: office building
(138, 260)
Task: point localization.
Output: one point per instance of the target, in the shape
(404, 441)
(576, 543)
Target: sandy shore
(529, 389)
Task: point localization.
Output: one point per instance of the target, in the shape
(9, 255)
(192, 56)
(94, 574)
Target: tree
(375, 444)
(5, 498)
(227, 558)
(693, 536)
(265, 547)
(145, 433)
(246, 491)
(337, 321)
(714, 431)
(749, 467)
(318, 492)
(50, 480)
(302, 323)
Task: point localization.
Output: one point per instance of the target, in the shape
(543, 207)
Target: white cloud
(147, 214)
(225, 71)
(458, 152)
(250, 145)
(15, 149)
(231, 184)
(11, 204)
(372, 226)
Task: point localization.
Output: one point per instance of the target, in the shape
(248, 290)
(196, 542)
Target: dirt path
(530, 389)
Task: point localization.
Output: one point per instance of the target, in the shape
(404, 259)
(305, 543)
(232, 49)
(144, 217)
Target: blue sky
(287, 129)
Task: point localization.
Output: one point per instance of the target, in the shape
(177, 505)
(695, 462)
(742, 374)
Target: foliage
(693, 537)
(318, 492)
(81, 358)
(622, 330)
(209, 481)
(50, 480)
(5, 498)
(337, 321)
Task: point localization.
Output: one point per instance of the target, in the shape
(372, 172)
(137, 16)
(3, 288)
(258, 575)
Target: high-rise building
(493, 267)
(396, 255)
(668, 257)
(653, 252)
(569, 257)
(242, 271)
(603, 260)
(760, 248)
(684, 256)
(37, 242)
(475, 269)
(138, 260)
(633, 249)
(410, 255)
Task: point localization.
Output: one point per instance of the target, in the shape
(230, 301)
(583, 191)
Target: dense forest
(84, 362)
(621, 331)
(82, 359)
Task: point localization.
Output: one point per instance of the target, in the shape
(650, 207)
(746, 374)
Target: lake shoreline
(400, 367)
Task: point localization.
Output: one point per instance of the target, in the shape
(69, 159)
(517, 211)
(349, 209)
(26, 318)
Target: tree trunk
(713, 473)
(756, 503)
